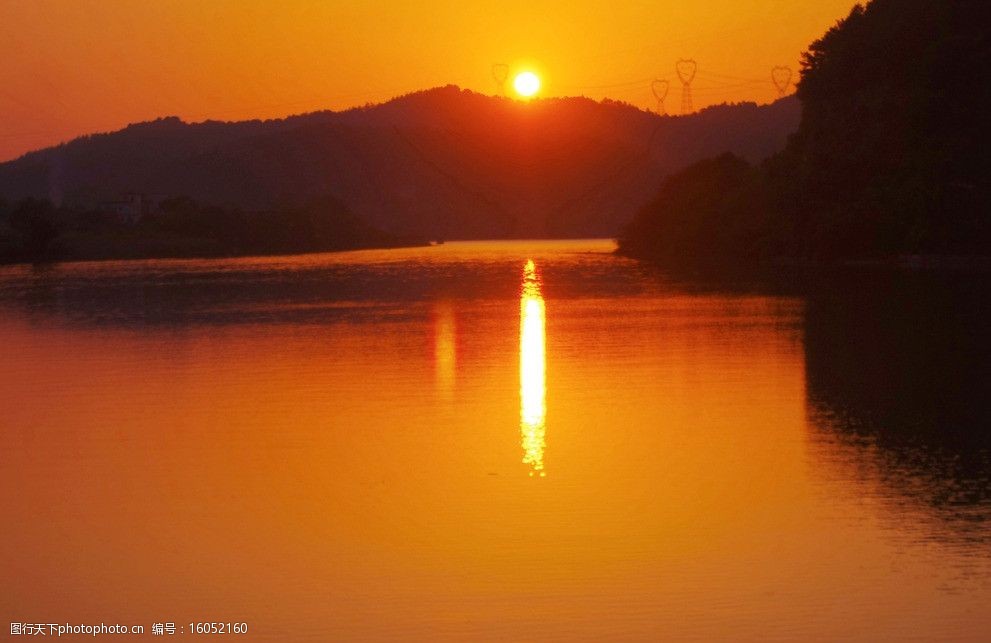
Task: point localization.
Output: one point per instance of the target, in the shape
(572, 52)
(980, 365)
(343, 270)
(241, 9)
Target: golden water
(513, 441)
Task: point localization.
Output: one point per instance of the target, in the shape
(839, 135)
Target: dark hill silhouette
(889, 162)
(443, 162)
(711, 212)
(892, 152)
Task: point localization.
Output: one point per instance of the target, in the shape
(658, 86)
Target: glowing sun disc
(526, 84)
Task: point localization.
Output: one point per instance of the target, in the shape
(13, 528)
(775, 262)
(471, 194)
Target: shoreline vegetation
(36, 231)
(717, 216)
(887, 168)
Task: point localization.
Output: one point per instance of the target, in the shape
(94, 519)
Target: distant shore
(102, 249)
(37, 231)
(900, 263)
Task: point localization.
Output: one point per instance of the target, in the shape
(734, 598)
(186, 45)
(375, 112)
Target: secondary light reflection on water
(445, 350)
(533, 389)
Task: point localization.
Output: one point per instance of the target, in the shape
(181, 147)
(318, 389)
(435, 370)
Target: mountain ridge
(443, 162)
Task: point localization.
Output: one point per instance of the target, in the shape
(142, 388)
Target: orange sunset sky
(70, 67)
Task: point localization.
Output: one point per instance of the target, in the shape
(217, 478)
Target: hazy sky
(69, 67)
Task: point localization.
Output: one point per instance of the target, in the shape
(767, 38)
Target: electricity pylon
(686, 68)
(781, 77)
(500, 73)
(660, 89)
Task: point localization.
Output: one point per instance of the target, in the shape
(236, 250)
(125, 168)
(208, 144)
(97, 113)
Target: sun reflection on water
(445, 350)
(533, 390)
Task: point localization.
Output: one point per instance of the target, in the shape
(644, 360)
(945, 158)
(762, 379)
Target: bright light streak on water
(533, 369)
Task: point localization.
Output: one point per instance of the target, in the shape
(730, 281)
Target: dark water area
(901, 366)
(447, 442)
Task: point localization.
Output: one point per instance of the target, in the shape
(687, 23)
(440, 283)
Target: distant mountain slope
(442, 162)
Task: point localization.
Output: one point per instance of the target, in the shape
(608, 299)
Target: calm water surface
(449, 443)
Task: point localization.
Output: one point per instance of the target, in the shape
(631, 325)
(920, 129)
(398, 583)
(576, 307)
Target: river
(492, 440)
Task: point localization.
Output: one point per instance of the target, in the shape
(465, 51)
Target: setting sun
(526, 84)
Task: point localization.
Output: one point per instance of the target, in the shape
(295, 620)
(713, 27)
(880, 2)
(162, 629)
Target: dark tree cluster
(710, 212)
(891, 154)
(36, 230)
(29, 230)
(892, 151)
(322, 224)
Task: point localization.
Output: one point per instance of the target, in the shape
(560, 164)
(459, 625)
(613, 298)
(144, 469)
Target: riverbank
(37, 231)
(125, 247)
(900, 263)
